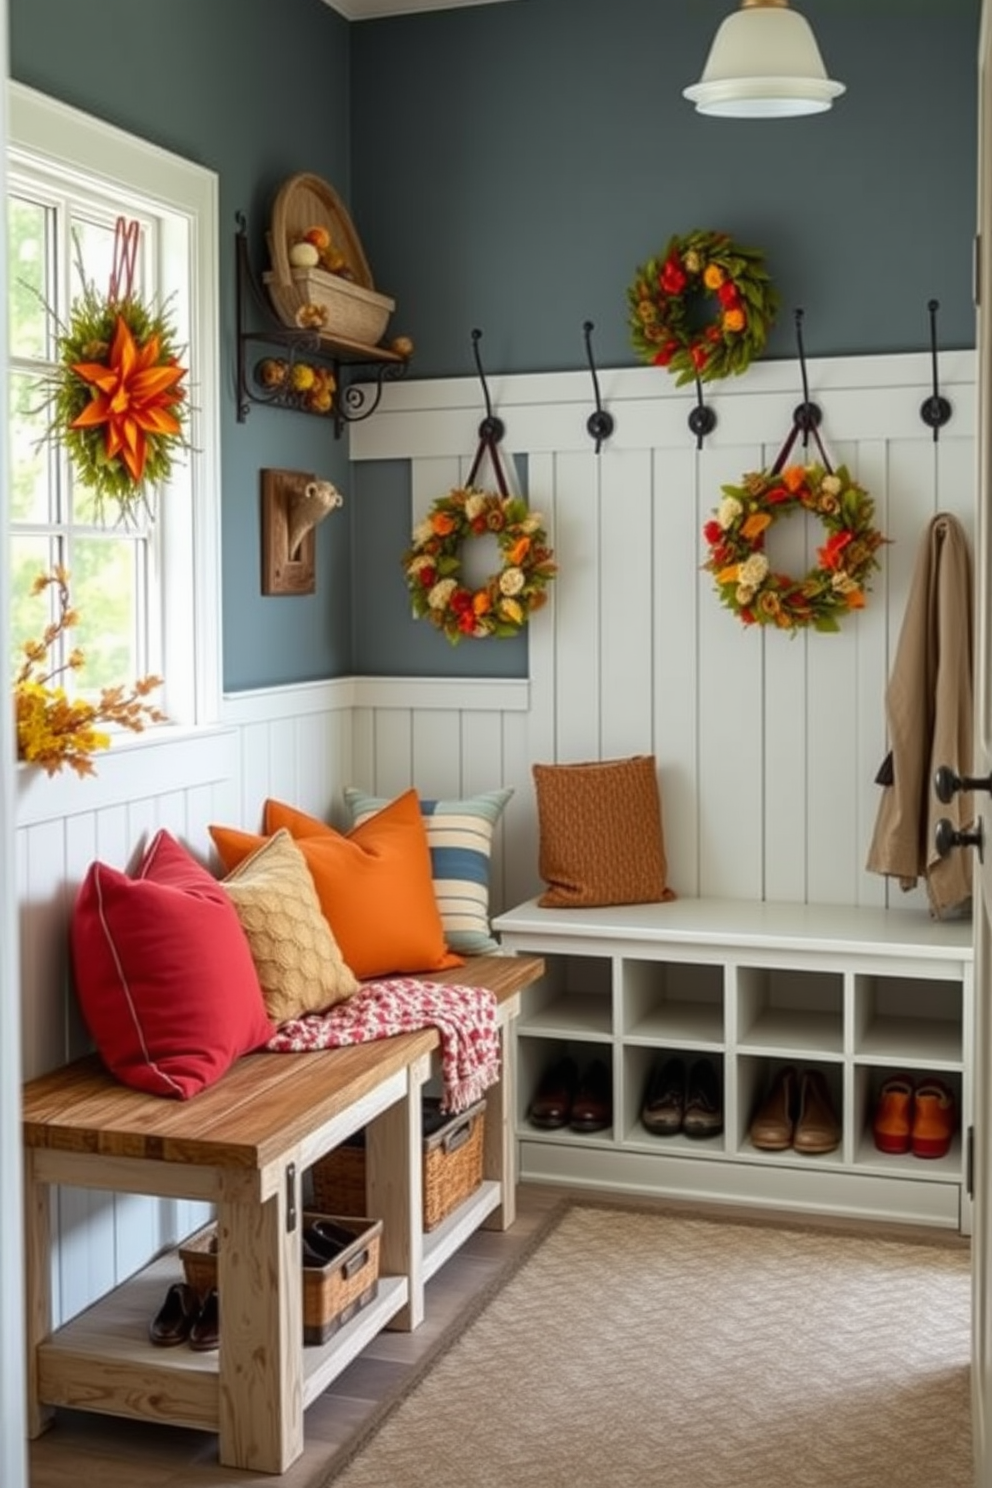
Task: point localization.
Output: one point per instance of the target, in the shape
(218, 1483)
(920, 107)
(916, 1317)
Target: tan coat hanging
(929, 711)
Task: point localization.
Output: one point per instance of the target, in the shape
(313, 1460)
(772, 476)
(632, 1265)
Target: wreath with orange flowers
(502, 603)
(745, 580)
(702, 308)
(116, 397)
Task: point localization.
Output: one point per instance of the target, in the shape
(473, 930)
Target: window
(69, 178)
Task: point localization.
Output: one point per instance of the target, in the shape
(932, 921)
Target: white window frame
(76, 147)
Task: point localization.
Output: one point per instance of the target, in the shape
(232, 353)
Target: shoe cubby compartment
(675, 1003)
(790, 1012)
(868, 1081)
(639, 1063)
(755, 1076)
(909, 1021)
(535, 1057)
(574, 999)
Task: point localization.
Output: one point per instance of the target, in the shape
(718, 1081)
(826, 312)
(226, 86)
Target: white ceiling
(365, 10)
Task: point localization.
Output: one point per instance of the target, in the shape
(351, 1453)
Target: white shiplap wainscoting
(767, 745)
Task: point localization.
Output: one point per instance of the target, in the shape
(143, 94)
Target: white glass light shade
(764, 63)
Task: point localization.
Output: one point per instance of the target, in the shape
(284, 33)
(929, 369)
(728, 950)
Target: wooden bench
(243, 1145)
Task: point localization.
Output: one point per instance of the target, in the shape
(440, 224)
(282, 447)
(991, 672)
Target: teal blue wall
(514, 163)
(508, 166)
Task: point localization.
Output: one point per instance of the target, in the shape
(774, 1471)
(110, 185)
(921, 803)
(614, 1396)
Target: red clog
(894, 1114)
(933, 1119)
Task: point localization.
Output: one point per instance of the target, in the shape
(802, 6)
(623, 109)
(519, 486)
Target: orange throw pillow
(374, 884)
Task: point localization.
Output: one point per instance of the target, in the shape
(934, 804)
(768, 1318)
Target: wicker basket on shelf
(451, 1166)
(342, 305)
(332, 1293)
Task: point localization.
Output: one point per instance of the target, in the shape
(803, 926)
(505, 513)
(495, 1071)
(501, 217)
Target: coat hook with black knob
(492, 427)
(600, 423)
(935, 411)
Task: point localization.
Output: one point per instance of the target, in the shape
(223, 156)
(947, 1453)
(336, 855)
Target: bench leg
(499, 1153)
(261, 1333)
(395, 1193)
(38, 1286)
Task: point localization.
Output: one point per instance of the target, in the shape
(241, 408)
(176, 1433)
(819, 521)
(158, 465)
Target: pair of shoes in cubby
(916, 1118)
(564, 1097)
(797, 1112)
(683, 1098)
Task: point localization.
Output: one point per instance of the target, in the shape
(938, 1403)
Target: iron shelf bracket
(358, 371)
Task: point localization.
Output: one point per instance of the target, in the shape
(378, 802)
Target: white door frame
(13, 1417)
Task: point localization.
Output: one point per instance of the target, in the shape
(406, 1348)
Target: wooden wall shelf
(358, 371)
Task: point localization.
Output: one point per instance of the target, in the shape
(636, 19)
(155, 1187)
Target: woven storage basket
(451, 1166)
(354, 311)
(332, 1294)
(351, 312)
(199, 1257)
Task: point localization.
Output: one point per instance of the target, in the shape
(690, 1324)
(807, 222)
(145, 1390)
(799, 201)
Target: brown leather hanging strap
(487, 445)
(806, 423)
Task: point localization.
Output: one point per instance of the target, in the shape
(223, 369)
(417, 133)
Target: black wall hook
(702, 420)
(492, 429)
(601, 423)
(806, 416)
(935, 411)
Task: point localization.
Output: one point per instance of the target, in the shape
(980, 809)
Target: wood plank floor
(87, 1449)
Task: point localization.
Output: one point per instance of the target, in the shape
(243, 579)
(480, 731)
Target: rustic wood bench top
(262, 1106)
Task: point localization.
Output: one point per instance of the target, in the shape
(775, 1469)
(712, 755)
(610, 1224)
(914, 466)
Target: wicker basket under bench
(451, 1166)
(243, 1145)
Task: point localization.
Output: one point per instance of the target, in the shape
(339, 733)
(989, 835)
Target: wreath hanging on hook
(115, 395)
(502, 604)
(702, 308)
(745, 580)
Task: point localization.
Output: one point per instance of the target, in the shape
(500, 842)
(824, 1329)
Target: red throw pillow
(374, 884)
(164, 973)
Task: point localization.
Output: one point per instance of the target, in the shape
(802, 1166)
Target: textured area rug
(645, 1350)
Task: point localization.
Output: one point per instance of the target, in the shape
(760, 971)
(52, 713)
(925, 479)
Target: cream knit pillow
(298, 961)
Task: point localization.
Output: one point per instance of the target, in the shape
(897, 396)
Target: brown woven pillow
(601, 838)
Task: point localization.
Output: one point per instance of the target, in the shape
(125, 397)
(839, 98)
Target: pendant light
(764, 64)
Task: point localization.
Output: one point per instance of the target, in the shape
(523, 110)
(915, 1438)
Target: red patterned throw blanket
(465, 1018)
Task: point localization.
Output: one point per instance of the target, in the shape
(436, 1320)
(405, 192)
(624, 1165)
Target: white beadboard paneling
(437, 752)
(676, 548)
(578, 604)
(628, 627)
(730, 704)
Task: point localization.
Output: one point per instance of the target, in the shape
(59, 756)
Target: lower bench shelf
(103, 1361)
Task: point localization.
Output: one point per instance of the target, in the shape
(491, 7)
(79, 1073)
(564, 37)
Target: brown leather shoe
(205, 1332)
(174, 1319)
(703, 1107)
(663, 1106)
(592, 1108)
(551, 1106)
(817, 1128)
(772, 1124)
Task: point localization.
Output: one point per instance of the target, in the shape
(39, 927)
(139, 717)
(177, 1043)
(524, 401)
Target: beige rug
(645, 1350)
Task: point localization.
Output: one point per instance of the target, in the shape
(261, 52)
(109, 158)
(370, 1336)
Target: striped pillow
(460, 837)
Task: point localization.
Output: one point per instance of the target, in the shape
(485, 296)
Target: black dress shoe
(551, 1106)
(663, 1108)
(592, 1108)
(322, 1241)
(174, 1319)
(204, 1335)
(703, 1108)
